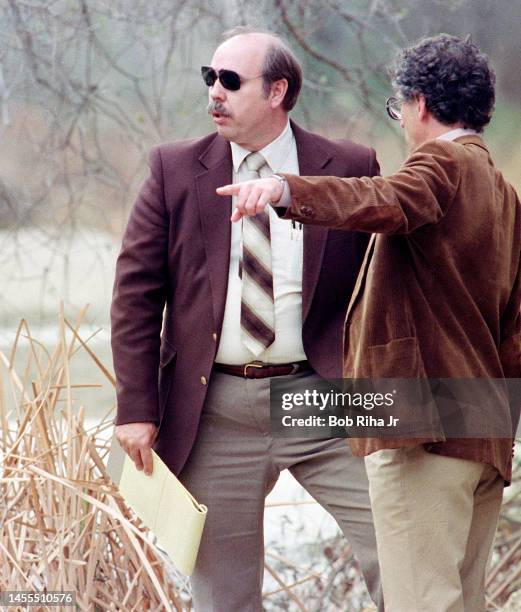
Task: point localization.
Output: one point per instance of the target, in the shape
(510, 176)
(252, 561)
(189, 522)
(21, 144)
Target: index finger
(227, 190)
(146, 458)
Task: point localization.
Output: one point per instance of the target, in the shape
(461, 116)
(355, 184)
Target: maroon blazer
(171, 282)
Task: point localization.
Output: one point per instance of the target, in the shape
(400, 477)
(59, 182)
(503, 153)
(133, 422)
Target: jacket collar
(474, 139)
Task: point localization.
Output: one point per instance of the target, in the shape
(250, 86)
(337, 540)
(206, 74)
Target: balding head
(255, 113)
(273, 58)
(251, 37)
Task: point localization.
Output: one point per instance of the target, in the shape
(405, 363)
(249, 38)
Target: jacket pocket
(167, 359)
(400, 358)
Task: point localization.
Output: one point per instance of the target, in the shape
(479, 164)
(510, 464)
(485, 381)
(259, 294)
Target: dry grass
(63, 525)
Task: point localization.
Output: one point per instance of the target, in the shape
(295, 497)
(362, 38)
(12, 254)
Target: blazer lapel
(215, 212)
(313, 161)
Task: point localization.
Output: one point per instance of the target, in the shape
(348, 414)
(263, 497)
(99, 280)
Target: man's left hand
(252, 196)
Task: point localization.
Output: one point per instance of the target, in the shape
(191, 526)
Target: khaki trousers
(435, 520)
(235, 463)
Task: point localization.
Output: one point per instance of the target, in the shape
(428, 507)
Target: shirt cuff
(285, 198)
(281, 207)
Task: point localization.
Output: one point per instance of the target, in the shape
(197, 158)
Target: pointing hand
(252, 196)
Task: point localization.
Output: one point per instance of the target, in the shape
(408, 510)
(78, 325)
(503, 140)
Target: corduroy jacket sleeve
(420, 193)
(510, 346)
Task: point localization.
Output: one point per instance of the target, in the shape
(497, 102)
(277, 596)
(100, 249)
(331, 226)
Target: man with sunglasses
(438, 297)
(243, 305)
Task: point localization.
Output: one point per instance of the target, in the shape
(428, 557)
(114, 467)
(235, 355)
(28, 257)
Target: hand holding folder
(164, 505)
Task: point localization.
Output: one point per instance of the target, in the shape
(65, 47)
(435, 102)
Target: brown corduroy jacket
(439, 293)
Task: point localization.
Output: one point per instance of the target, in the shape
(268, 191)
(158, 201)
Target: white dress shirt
(453, 134)
(286, 259)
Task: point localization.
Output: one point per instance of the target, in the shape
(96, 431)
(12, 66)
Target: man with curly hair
(438, 296)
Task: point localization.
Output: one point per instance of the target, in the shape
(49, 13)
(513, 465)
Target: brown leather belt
(257, 369)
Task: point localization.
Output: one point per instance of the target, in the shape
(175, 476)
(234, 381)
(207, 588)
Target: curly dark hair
(452, 74)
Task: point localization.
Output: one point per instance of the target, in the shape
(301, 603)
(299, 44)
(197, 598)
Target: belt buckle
(252, 364)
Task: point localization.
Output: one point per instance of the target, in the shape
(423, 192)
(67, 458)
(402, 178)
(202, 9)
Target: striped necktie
(257, 305)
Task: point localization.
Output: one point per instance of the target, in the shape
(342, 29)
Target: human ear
(422, 108)
(278, 90)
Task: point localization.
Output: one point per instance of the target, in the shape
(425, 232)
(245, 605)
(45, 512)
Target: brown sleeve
(138, 301)
(418, 194)
(510, 346)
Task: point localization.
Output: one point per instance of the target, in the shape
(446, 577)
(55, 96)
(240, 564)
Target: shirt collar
(275, 153)
(456, 134)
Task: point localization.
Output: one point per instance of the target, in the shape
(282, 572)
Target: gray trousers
(235, 463)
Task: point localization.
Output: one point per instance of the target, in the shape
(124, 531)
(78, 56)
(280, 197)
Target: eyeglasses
(229, 79)
(393, 106)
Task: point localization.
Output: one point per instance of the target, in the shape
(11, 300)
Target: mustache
(217, 107)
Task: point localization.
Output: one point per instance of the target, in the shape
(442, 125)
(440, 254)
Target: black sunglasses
(228, 78)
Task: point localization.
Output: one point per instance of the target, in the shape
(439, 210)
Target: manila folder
(167, 508)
